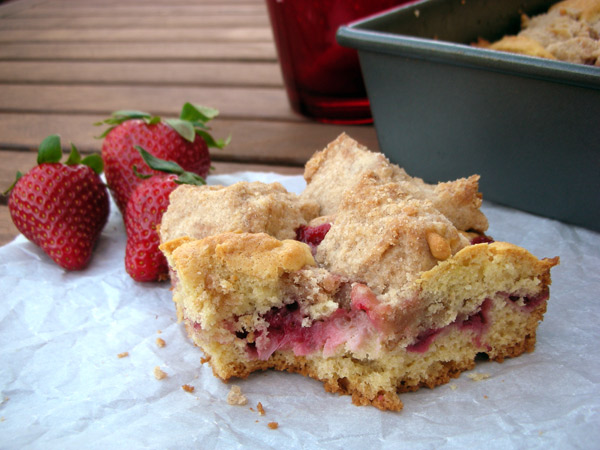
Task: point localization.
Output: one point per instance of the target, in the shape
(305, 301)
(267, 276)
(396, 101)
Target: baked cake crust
(386, 294)
(569, 31)
(200, 211)
(459, 200)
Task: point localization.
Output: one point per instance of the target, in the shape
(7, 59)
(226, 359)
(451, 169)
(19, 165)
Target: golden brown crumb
(188, 388)
(123, 355)
(235, 396)
(478, 376)
(273, 425)
(204, 359)
(159, 374)
(260, 408)
(160, 342)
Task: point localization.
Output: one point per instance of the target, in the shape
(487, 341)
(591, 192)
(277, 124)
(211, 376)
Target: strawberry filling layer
(356, 320)
(285, 332)
(366, 317)
(312, 236)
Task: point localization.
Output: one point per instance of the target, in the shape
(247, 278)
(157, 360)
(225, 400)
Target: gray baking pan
(444, 109)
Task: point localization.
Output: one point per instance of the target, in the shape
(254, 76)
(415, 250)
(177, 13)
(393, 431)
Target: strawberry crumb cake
(370, 280)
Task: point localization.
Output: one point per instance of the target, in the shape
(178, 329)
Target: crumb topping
(159, 374)
(200, 211)
(235, 396)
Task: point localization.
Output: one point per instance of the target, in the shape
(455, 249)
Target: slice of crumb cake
(385, 295)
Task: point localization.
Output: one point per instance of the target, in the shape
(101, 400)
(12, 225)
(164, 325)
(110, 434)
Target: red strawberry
(62, 208)
(185, 141)
(147, 204)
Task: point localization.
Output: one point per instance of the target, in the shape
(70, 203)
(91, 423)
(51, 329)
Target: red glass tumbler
(323, 80)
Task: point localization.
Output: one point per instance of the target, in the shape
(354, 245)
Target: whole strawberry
(62, 208)
(147, 204)
(185, 140)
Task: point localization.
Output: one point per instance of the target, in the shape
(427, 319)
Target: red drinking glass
(323, 80)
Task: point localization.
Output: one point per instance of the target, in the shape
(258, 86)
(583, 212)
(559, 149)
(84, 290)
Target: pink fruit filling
(312, 236)
(477, 323)
(285, 332)
(365, 317)
(481, 239)
(529, 303)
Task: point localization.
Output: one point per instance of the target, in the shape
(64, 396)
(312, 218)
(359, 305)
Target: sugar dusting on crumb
(159, 374)
(478, 376)
(235, 396)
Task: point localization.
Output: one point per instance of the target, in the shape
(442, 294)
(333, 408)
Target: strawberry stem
(50, 150)
(192, 121)
(170, 167)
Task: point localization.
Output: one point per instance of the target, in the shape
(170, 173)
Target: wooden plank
(197, 35)
(258, 74)
(286, 143)
(23, 161)
(233, 102)
(71, 3)
(138, 51)
(10, 9)
(206, 21)
(76, 9)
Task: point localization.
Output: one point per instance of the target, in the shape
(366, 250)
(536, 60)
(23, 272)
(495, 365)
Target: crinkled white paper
(63, 386)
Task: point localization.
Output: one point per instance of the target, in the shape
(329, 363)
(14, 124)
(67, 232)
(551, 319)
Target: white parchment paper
(63, 386)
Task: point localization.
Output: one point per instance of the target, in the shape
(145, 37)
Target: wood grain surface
(67, 64)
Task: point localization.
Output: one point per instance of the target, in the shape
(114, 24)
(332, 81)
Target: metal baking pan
(444, 109)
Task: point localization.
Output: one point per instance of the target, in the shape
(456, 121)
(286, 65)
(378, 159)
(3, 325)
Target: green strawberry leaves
(192, 121)
(123, 115)
(184, 128)
(50, 151)
(93, 161)
(168, 167)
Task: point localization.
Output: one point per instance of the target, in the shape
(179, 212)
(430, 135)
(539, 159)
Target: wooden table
(66, 64)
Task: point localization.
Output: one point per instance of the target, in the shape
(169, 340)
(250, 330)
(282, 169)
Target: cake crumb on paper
(260, 409)
(159, 374)
(235, 396)
(160, 342)
(478, 376)
(188, 388)
(204, 359)
(273, 425)
(123, 355)
(453, 387)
